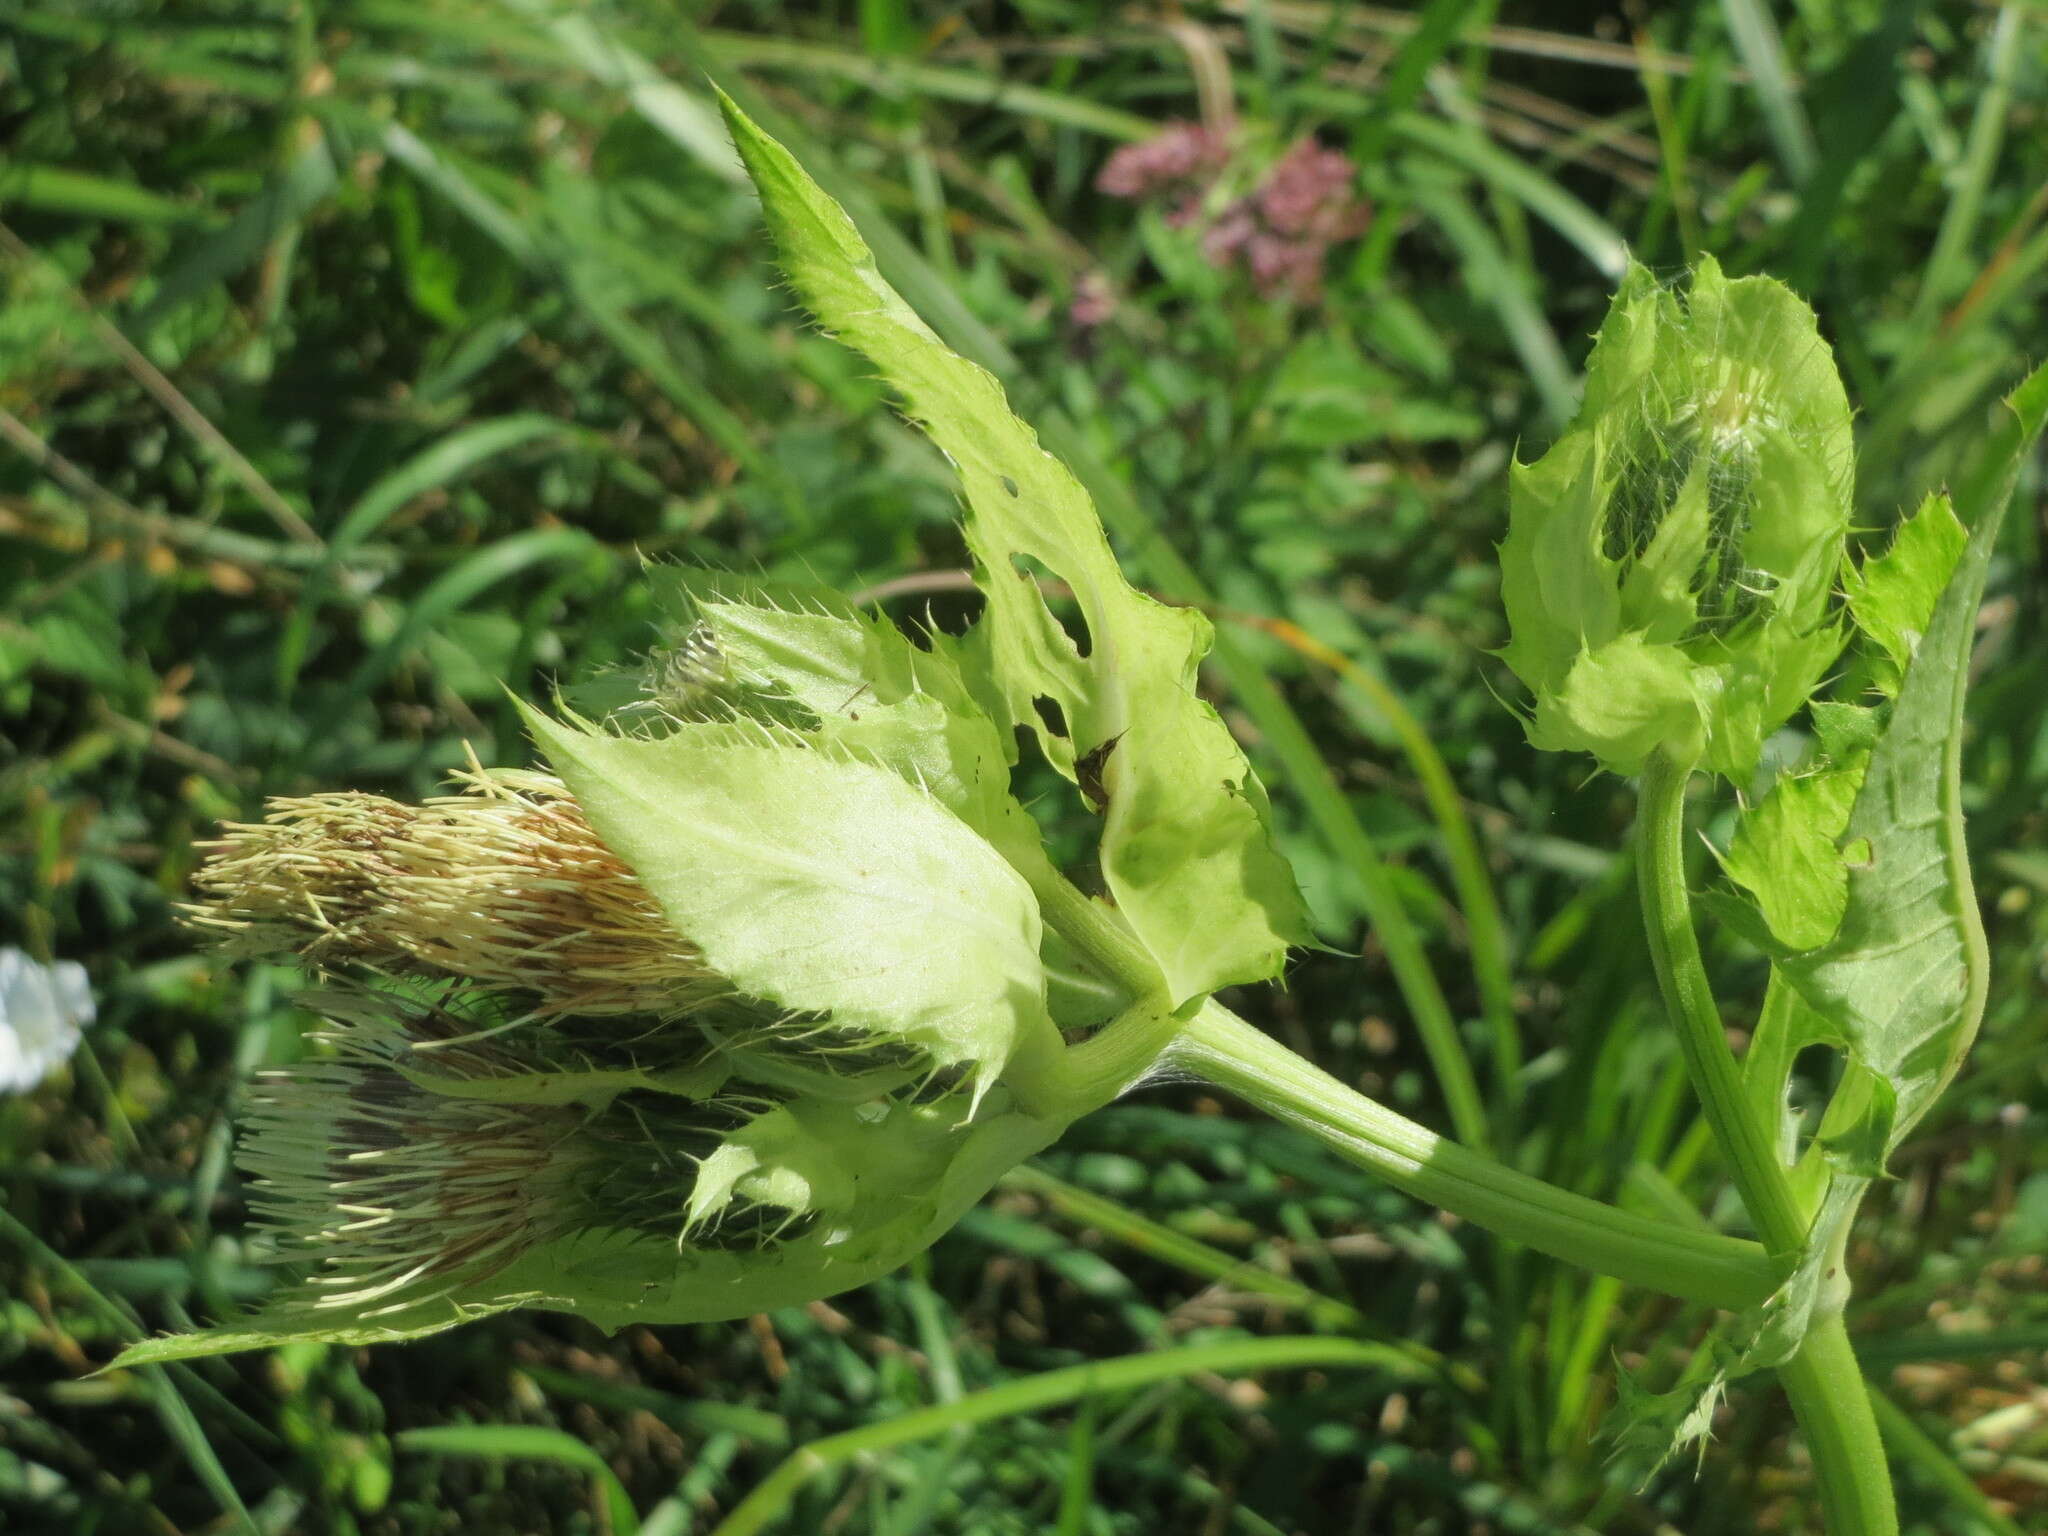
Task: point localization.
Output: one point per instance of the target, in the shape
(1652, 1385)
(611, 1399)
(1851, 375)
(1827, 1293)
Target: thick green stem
(1823, 1380)
(1699, 1266)
(1112, 1061)
(1096, 932)
(1682, 976)
(1832, 1404)
(1094, 1072)
(1826, 1389)
(1217, 1045)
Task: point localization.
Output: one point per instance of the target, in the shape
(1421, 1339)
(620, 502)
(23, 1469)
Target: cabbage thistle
(769, 976)
(749, 997)
(536, 1090)
(1671, 561)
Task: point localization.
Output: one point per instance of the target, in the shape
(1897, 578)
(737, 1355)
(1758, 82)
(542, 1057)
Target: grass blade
(178, 1419)
(1191, 1255)
(894, 76)
(771, 1500)
(1499, 282)
(1927, 1456)
(534, 1442)
(1947, 263)
(55, 189)
(456, 588)
(1763, 55)
(441, 462)
(283, 202)
(1599, 241)
(1077, 1491)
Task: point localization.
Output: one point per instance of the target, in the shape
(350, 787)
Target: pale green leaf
(1816, 1289)
(1784, 1028)
(1185, 848)
(1904, 976)
(613, 1279)
(822, 883)
(1784, 853)
(1749, 697)
(1893, 594)
(1558, 586)
(1854, 1135)
(1648, 1428)
(1845, 730)
(849, 1163)
(283, 1325)
(1654, 1426)
(857, 681)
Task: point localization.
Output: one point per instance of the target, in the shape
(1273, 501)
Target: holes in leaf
(1058, 598)
(1858, 854)
(1811, 1079)
(1050, 715)
(1041, 786)
(1009, 485)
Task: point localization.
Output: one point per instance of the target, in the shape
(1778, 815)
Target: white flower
(41, 1009)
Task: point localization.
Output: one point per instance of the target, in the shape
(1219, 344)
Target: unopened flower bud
(1670, 562)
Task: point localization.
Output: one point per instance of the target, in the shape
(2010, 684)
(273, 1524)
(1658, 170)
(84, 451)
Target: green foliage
(531, 1440)
(1904, 975)
(1861, 874)
(1193, 871)
(849, 868)
(804, 657)
(1786, 852)
(1893, 595)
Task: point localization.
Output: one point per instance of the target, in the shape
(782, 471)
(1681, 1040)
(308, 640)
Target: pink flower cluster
(1281, 231)
(1181, 158)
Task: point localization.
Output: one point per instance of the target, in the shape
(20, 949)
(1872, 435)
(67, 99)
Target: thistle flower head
(1670, 562)
(535, 1089)
(504, 883)
(422, 1158)
(427, 1168)
(397, 1195)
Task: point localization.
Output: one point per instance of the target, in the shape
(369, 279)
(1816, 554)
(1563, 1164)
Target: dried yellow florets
(504, 883)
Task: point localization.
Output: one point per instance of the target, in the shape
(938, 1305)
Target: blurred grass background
(355, 353)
